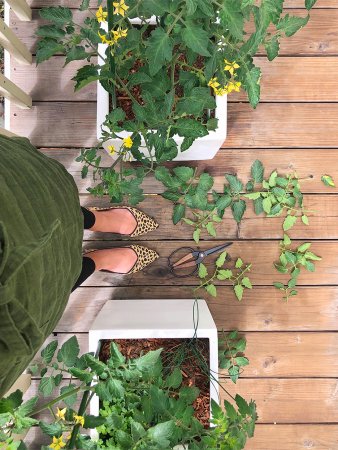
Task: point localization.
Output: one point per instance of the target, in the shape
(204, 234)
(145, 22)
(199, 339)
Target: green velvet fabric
(41, 230)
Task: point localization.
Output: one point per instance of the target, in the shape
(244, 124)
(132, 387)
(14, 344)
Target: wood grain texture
(271, 125)
(309, 164)
(260, 253)
(319, 37)
(262, 309)
(290, 401)
(267, 437)
(276, 85)
(323, 218)
(285, 354)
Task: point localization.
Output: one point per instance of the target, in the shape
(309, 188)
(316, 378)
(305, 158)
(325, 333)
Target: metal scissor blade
(217, 249)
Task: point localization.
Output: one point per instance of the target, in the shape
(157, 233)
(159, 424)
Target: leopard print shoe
(144, 223)
(145, 256)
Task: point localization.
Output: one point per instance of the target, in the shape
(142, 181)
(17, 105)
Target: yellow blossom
(234, 86)
(105, 40)
(61, 413)
(57, 443)
(128, 142)
(120, 7)
(101, 15)
(111, 149)
(230, 66)
(119, 33)
(222, 91)
(213, 83)
(79, 420)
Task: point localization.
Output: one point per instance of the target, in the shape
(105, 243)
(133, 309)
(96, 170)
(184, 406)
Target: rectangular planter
(141, 319)
(203, 148)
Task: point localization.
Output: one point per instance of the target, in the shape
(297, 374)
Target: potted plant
(163, 70)
(143, 404)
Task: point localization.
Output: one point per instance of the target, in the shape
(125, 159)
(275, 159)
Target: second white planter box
(142, 319)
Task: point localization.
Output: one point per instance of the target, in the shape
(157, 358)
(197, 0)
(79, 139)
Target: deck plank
(319, 37)
(276, 125)
(309, 164)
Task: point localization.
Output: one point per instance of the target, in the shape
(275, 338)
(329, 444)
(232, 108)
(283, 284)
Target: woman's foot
(118, 260)
(115, 220)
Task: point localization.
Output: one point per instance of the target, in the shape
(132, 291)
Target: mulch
(190, 368)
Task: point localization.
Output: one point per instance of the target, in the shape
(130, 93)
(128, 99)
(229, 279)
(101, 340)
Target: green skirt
(41, 230)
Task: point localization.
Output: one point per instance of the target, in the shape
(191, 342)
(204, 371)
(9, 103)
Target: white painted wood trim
(13, 93)
(13, 45)
(21, 9)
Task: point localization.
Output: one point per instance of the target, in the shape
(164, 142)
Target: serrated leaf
(48, 352)
(291, 24)
(93, 421)
(86, 75)
(267, 205)
(46, 386)
(84, 5)
(310, 266)
(224, 274)
(57, 14)
(328, 180)
(232, 18)
(211, 229)
(69, 352)
(191, 6)
(235, 184)
(257, 171)
(302, 248)
(159, 50)
(196, 235)
(202, 271)
(246, 283)
(239, 263)
(81, 374)
(116, 388)
(278, 285)
(205, 182)
(252, 85)
(234, 374)
(178, 213)
(312, 256)
(238, 209)
(241, 361)
(289, 222)
(71, 398)
(211, 289)
(76, 53)
(309, 4)
(272, 47)
(148, 360)
(286, 240)
(50, 31)
(190, 128)
(222, 203)
(51, 429)
(174, 380)
(184, 173)
(305, 219)
(258, 206)
(221, 259)
(46, 48)
(196, 38)
(239, 291)
(253, 195)
(196, 102)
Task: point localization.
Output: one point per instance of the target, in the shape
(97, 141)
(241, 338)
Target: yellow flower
(101, 15)
(57, 443)
(234, 86)
(230, 66)
(128, 142)
(61, 413)
(104, 39)
(120, 7)
(213, 83)
(111, 149)
(222, 91)
(79, 420)
(119, 33)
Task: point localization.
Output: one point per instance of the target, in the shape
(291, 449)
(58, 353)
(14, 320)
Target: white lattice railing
(14, 48)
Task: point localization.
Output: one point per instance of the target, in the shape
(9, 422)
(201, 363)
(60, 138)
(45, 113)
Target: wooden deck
(293, 348)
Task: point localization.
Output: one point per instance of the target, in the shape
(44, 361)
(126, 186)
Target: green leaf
(93, 421)
(302, 248)
(51, 429)
(137, 431)
(253, 195)
(159, 50)
(48, 352)
(224, 274)
(184, 173)
(239, 291)
(76, 53)
(50, 31)
(191, 6)
(196, 102)
(286, 240)
(162, 432)
(232, 18)
(116, 388)
(222, 203)
(289, 222)
(258, 206)
(211, 229)
(328, 180)
(178, 213)
(238, 209)
(272, 47)
(196, 38)
(221, 259)
(116, 356)
(46, 386)
(241, 361)
(86, 75)
(46, 48)
(28, 407)
(190, 128)
(267, 205)
(187, 143)
(71, 399)
(148, 360)
(81, 374)
(174, 380)
(291, 24)
(57, 14)
(246, 283)
(155, 7)
(202, 271)
(257, 171)
(309, 4)
(205, 182)
(310, 266)
(312, 256)
(278, 285)
(239, 263)
(211, 289)
(96, 365)
(69, 352)
(196, 235)
(235, 184)
(234, 374)
(252, 85)
(305, 219)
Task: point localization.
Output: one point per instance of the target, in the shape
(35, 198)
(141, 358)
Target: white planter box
(142, 319)
(205, 147)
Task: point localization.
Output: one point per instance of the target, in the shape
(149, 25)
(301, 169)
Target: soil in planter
(191, 370)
